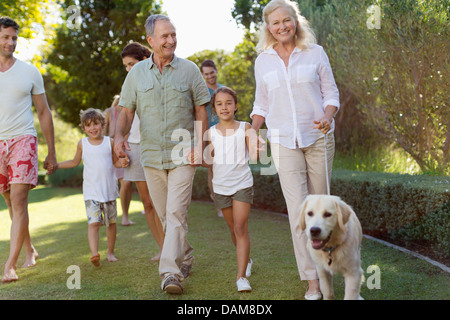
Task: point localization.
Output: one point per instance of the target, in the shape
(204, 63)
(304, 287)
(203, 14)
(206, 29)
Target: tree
(398, 72)
(248, 12)
(84, 65)
(235, 70)
(25, 13)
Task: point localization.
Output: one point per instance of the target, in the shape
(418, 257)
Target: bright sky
(201, 24)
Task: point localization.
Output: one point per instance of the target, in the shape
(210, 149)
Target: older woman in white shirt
(296, 96)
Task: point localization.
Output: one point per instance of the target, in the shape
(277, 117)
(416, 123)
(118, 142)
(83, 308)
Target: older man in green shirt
(169, 96)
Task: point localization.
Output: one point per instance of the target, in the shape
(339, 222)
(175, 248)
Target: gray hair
(151, 21)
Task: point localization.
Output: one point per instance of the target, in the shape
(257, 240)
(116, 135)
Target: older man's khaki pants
(302, 172)
(171, 192)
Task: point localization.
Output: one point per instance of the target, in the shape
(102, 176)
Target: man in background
(209, 73)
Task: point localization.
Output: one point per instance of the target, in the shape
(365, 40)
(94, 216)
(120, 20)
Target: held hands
(256, 144)
(50, 164)
(124, 162)
(194, 156)
(261, 146)
(120, 145)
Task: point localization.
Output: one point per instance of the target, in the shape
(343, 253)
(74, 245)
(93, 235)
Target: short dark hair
(7, 22)
(136, 51)
(208, 63)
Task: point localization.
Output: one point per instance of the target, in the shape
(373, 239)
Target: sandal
(96, 260)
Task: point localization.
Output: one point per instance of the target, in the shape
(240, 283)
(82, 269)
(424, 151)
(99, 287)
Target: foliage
(25, 13)
(248, 12)
(398, 72)
(433, 228)
(235, 70)
(85, 68)
(399, 206)
(389, 158)
(239, 74)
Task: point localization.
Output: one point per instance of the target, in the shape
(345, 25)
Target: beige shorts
(103, 212)
(135, 171)
(243, 195)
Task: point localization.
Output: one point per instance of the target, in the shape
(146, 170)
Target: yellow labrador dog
(335, 236)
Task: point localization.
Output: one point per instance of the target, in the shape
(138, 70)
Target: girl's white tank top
(231, 171)
(99, 180)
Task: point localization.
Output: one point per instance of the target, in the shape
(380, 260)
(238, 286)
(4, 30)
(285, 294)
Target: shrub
(432, 228)
(406, 207)
(67, 177)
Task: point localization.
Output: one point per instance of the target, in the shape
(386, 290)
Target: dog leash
(325, 139)
(331, 249)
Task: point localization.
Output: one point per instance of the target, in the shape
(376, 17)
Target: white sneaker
(248, 272)
(313, 296)
(243, 285)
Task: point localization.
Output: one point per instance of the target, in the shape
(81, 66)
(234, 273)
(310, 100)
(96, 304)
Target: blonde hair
(116, 100)
(304, 35)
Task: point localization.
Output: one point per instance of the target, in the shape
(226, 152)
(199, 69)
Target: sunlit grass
(59, 232)
(389, 159)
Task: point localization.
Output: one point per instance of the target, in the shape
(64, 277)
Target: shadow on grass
(62, 245)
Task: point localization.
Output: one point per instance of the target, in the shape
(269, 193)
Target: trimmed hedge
(406, 207)
(67, 177)
(401, 207)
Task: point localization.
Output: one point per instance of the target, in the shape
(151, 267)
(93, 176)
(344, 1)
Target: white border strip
(415, 254)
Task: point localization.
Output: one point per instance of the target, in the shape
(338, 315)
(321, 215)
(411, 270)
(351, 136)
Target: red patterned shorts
(18, 162)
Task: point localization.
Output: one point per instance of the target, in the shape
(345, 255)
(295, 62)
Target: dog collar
(330, 251)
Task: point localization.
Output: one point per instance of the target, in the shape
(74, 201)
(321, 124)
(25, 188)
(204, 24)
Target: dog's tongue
(317, 244)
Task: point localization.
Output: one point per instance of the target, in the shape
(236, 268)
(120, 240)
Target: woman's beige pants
(302, 172)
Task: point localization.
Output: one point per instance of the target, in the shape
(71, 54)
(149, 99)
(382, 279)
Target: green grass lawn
(59, 232)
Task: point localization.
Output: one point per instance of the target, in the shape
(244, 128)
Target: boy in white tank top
(100, 189)
(230, 144)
